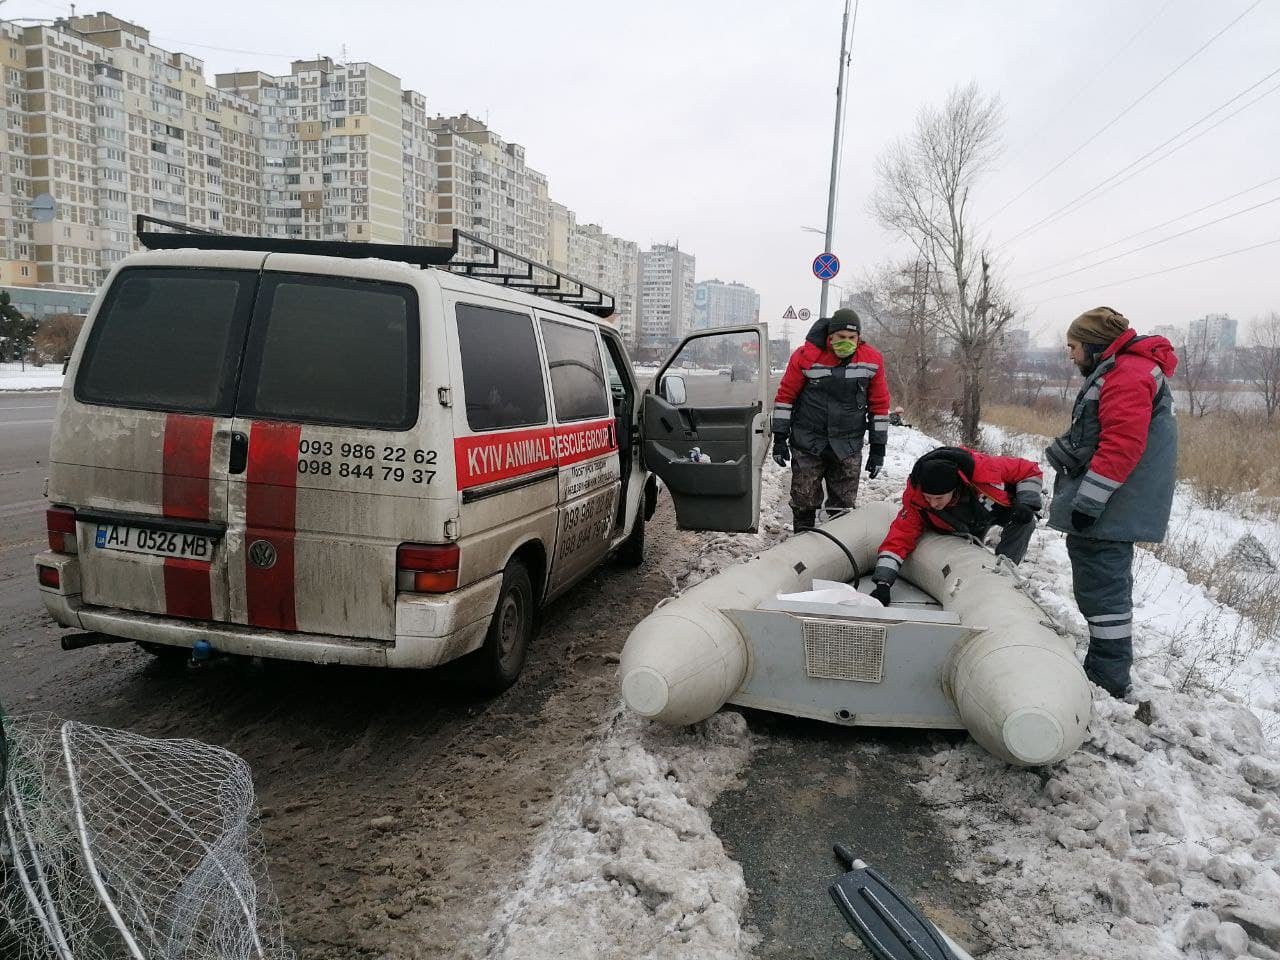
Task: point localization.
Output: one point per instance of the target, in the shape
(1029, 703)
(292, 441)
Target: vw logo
(262, 554)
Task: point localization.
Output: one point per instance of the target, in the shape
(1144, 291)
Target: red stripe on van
(271, 515)
(489, 457)
(188, 446)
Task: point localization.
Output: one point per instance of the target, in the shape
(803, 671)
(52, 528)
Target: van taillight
(426, 568)
(61, 522)
(48, 576)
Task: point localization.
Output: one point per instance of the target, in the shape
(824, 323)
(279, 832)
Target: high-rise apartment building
(110, 126)
(1214, 333)
(720, 304)
(486, 188)
(347, 154)
(588, 253)
(666, 282)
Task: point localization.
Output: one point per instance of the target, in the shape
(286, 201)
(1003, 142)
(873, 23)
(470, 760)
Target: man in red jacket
(1116, 468)
(963, 492)
(834, 390)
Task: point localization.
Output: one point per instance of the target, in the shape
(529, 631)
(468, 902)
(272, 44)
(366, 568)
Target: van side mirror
(673, 391)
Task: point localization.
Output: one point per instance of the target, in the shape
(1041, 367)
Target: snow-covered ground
(14, 377)
(1154, 840)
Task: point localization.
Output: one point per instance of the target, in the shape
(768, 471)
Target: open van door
(712, 395)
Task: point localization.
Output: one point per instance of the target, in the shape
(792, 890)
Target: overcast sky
(710, 123)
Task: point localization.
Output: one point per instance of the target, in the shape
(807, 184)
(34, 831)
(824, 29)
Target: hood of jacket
(1154, 348)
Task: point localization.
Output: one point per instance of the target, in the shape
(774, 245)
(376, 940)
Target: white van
(341, 459)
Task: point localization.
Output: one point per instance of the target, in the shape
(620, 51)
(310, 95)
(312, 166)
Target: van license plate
(157, 543)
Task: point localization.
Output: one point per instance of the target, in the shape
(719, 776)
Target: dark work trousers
(807, 475)
(1014, 537)
(1102, 577)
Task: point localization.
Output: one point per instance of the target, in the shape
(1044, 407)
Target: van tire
(497, 664)
(631, 553)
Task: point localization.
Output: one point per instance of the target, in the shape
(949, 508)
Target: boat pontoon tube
(1015, 683)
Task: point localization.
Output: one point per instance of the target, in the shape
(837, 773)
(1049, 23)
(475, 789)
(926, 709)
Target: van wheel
(497, 664)
(631, 553)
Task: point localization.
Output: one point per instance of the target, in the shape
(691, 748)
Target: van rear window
(326, 350)
(168, 339)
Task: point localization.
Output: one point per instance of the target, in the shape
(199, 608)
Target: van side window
(168, 339)
(501, 372)
(331, 350)
(577, 378)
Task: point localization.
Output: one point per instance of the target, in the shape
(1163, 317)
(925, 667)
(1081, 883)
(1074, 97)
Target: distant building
(1174, 334)
(666, 282)
(41, 302)
(1216, 332)
(720, 304)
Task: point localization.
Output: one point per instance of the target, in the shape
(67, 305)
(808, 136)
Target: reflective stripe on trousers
(1102, 580)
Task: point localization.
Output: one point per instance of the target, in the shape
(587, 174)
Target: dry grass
(1223, 455)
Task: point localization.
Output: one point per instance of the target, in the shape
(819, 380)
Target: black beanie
(844, 319)
(938, 477)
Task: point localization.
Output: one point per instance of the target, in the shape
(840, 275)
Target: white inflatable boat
(961, 647)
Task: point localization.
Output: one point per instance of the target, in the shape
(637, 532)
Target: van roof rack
(555, 285)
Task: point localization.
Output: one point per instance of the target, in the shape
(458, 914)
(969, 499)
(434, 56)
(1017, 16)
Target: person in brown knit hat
(1115, 477)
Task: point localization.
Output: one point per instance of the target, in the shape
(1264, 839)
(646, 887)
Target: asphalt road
(332, 748)
(26, 420)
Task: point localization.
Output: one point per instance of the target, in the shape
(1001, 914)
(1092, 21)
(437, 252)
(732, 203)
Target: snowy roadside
(32, 378)
(1152, 841)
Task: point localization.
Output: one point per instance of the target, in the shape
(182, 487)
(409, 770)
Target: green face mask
(843, 348)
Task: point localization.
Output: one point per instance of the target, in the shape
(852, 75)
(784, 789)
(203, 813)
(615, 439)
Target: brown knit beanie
(1100, 326)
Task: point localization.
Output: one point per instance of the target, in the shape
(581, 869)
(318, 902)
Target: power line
(1094, 76)
(1116, 119)
(1158, 226)
(1105, 185)
(1157, 273)
(1153, 243)
(209, 46)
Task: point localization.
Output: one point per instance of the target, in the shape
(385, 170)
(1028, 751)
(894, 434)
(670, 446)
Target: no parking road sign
(826, 266)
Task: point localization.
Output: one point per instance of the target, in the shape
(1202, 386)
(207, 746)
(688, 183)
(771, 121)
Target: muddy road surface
(396, 809)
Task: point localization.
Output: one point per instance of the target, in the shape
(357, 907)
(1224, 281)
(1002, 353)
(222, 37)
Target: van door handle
(239, 458)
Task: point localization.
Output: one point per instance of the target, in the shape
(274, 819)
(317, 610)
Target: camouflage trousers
(807, 474)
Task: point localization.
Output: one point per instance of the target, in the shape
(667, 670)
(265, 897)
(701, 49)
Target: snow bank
(1161, 836)
(628, 865)
(13, 377)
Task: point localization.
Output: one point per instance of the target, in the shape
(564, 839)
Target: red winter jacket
(826, 401)
(1001, 480)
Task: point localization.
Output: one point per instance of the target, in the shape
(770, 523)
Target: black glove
(1022, 513)
(881, 593)
(875, 460)
(1081, 521)
(781, 455)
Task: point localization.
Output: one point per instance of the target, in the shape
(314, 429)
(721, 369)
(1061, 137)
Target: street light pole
(835, 148)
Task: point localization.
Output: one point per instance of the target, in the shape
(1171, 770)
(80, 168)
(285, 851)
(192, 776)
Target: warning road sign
(790, 314)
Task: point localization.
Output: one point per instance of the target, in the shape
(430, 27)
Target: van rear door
(711, 394)
(143, 430)
(332, 465)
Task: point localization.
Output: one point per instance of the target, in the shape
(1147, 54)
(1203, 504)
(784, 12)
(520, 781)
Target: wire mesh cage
(121, 847)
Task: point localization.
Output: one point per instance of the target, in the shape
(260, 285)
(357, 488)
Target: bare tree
(1195, 370)
(925, 183)
(1261, 361)
(905, 329)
